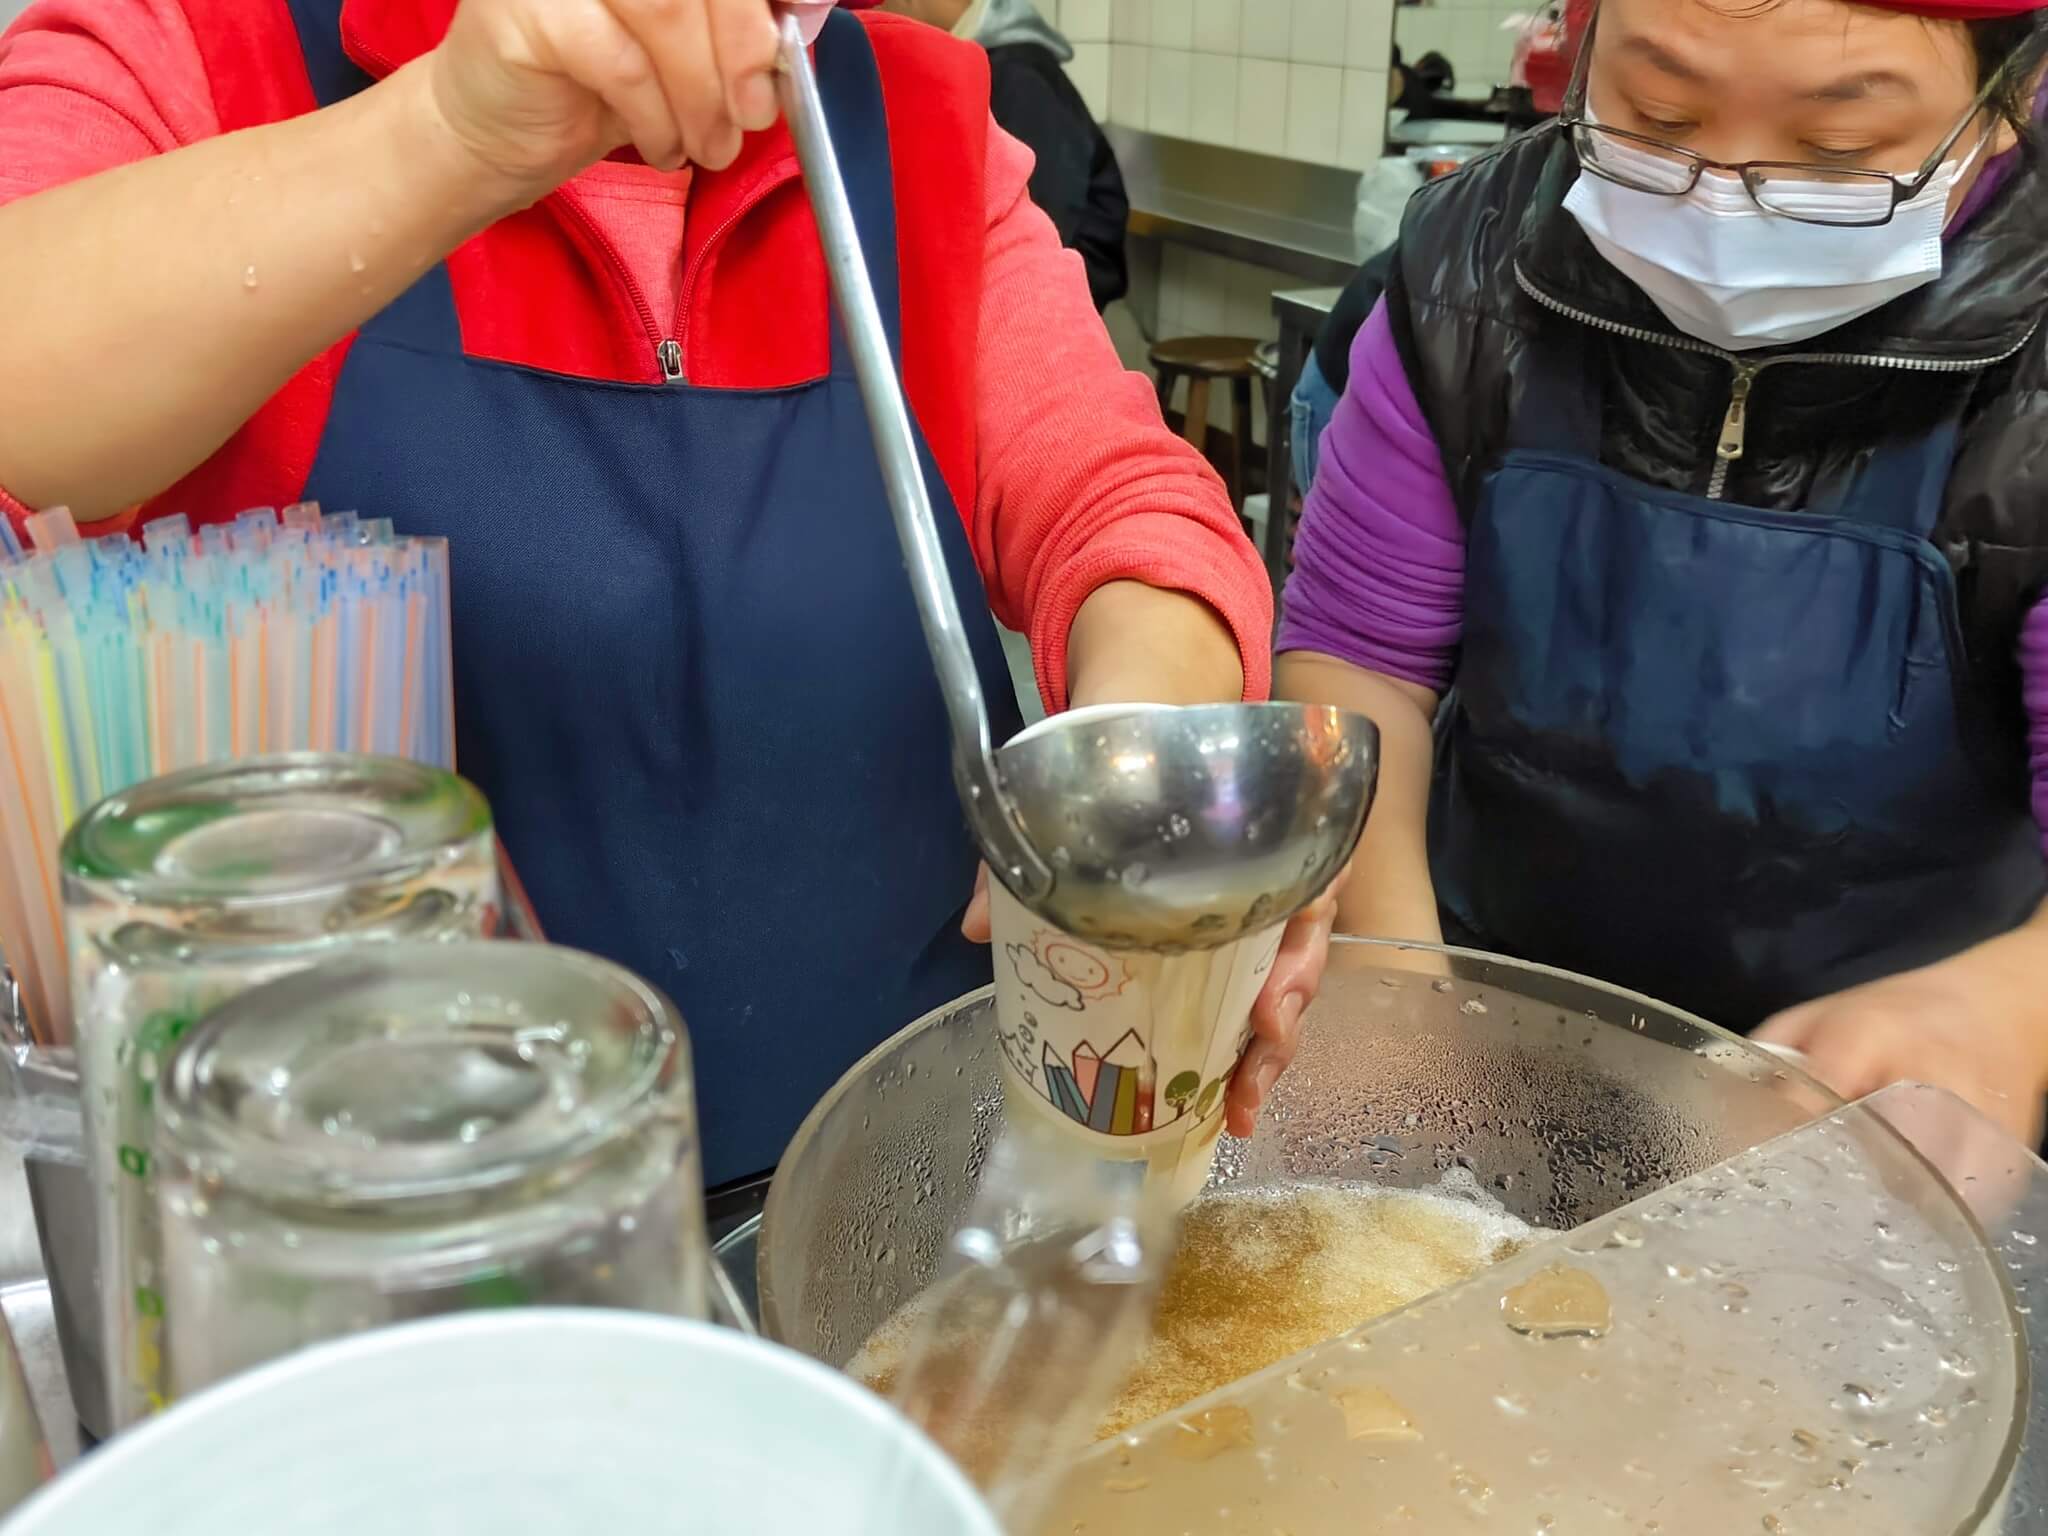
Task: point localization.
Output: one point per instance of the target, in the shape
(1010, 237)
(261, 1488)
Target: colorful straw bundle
(121, 661)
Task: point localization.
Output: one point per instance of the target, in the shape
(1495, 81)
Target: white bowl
(522, 1421)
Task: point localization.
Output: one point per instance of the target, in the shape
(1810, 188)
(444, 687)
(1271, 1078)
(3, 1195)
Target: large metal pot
(1567, 1098)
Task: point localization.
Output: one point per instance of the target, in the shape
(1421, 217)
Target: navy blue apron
(1731, 758)
(688, 669)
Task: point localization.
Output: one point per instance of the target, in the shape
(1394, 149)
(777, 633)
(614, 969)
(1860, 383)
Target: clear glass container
(1817, 1337)
(188, 890)
(425, 1129)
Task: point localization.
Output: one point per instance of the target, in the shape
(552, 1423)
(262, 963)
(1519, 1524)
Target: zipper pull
(1735, 426)
(671, 355)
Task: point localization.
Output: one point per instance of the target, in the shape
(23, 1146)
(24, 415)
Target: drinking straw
(31, 829)
(124, 658)
(33, 947)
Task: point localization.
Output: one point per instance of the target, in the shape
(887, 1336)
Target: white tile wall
(1470, 33)
(1086, 23)
(1315, 111)
(1213, 99)
(1266, 29)
(1216, 25)
(1173, 24)
(1318, 34)
(1167, 92)
(1281, 77)
(1300, 78)
(1262, 106)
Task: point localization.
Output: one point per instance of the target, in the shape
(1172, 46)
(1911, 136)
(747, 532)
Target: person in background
(1328, 368)
(1076, 180)
(541, 277)
(1692, 466)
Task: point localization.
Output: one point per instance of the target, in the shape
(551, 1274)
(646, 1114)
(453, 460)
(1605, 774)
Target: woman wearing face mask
(1694, 462)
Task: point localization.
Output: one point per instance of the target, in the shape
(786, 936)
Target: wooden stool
(1202, 360)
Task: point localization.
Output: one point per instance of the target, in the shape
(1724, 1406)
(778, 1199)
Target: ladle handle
(989, 812)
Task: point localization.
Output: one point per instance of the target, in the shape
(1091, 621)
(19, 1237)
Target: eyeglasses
(1812, 194)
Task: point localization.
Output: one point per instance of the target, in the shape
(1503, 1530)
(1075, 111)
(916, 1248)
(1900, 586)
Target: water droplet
(1442, 984)
(356, 263)
(2025, 1239)
(1857, 1396)
(1471, 1489)
(1472, 1005)
(1178, 826)
(249, 279)
(1134, 876)
(1208, 1435)
(1372, 1414)
(1559, 1302)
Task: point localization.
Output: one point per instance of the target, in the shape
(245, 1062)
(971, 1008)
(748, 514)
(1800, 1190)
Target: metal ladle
(1150, 826)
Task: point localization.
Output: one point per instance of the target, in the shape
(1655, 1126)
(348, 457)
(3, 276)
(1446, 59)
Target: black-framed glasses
(1842, 196)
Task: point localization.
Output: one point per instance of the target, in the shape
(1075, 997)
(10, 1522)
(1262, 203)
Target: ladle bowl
(1188, 828)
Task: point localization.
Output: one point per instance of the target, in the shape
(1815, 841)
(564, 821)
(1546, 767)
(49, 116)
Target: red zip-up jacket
(1064, 473)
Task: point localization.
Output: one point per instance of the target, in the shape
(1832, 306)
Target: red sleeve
(86, 85)
(1080, 482)
(89, 85)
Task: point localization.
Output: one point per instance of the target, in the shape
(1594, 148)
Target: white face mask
(1726, 272)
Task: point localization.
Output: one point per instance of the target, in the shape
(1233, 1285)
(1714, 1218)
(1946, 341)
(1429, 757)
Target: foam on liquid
(1261, 1275)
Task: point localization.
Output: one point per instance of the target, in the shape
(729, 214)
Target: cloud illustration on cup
(1040, 979)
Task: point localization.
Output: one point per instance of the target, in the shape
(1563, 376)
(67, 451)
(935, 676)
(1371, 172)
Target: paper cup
(1131, 1050)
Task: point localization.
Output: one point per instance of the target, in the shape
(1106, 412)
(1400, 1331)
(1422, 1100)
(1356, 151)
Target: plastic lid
(420, 1071)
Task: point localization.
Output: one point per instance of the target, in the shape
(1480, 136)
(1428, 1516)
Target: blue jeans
(1313, 404)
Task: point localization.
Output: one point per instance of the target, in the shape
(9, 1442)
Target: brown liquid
(1263, 1275)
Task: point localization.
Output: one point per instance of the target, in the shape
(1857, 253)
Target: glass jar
(188, 890)
(420, 1130)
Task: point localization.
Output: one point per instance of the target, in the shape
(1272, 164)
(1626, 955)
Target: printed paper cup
(1132, 1049)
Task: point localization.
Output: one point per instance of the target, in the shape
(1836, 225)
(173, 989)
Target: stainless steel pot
(1567, 1098)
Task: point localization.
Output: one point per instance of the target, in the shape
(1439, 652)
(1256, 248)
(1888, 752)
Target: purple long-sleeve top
(1379, 574)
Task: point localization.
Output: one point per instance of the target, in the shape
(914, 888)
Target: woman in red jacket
(402, 255)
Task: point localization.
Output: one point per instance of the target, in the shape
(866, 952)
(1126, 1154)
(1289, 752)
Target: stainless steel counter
(1283, 214)
(25, 1301)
